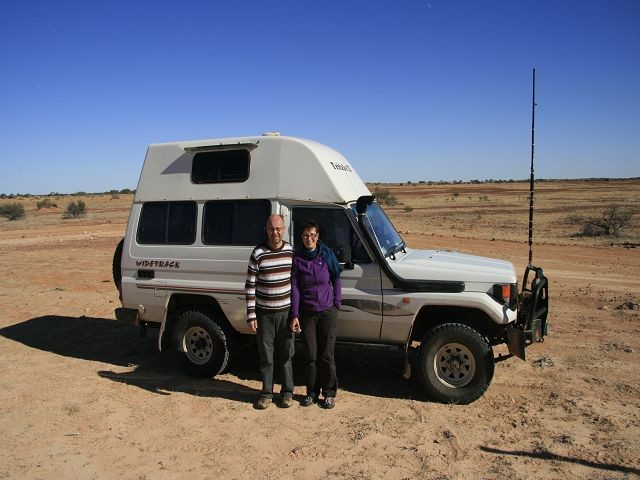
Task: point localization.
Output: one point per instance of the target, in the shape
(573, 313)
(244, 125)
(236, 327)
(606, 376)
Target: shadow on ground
(363, 370)
(546, 455)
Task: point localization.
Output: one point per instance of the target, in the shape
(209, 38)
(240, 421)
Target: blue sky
(405, 89)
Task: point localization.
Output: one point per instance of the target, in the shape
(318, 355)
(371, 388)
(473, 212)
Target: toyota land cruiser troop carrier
(201, 206)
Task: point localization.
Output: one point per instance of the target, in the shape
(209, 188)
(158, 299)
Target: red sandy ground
(82, 396)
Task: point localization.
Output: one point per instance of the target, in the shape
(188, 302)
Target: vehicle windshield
(383, 231)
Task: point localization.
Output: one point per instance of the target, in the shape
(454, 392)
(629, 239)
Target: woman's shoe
(308, 400)
(329, 402)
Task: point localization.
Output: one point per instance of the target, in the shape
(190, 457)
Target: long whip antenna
(531, 182)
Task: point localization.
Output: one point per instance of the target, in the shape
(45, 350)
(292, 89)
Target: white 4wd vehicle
(200, 208)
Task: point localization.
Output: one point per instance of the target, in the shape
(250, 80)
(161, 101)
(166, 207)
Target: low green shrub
(12, 211)
(46, 203)
(611, 221)
(75, 210)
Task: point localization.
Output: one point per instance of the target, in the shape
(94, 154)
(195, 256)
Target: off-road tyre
(455, 363)
(116, 265)
(202, 343)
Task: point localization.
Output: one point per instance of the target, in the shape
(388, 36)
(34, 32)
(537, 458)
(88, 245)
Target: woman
(315, 300)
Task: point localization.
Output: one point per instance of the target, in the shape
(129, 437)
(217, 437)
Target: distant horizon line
(408, 182)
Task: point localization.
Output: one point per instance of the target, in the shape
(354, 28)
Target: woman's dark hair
(311, 224)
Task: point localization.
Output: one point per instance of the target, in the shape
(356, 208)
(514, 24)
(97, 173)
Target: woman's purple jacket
(311, 287)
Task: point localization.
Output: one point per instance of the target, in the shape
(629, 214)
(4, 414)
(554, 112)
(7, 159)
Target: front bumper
(531, 324)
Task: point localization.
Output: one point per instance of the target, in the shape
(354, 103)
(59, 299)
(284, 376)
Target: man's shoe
(287, 402)
(308, 400)
(329, 402)
(262, 403)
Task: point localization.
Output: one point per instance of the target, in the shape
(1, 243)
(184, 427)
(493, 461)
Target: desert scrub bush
(408, 209)
(75, 210)
(12, 211)
(46, 203)
(611, 221)
(385, 198)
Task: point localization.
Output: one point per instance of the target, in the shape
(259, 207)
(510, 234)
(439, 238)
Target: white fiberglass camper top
(200, 208)
(280, 167)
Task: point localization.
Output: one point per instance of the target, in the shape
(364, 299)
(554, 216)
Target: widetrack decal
(171, 264)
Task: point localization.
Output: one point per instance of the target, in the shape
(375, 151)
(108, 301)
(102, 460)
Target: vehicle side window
(225, 166)
(234, 222)
(171, 223)
(336, 231)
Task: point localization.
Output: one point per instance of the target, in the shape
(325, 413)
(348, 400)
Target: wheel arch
(116, 267)
(430, 316)
(180, 302)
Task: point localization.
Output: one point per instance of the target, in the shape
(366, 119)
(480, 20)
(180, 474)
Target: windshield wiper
(395, 249)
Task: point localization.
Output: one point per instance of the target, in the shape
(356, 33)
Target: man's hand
(295, 325)
(253, 325)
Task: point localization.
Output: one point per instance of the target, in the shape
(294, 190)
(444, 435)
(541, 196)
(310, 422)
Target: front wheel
(203, 344)
(455, 363)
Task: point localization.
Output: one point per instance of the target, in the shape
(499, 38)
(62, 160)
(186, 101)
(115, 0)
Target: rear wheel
(202, 343)
(455, 363)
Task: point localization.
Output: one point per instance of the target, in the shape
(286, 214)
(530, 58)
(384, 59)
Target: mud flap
(518, 339)
(127, 315)
(516, 342)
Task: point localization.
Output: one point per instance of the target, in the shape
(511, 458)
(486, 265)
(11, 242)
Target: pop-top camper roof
(279, 167)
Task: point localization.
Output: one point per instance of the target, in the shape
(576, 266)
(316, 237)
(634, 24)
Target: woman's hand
(295, 325)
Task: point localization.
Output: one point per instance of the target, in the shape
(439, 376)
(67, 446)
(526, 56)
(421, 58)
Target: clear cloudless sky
(405, 89)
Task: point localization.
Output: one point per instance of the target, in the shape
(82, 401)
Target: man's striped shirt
(268, 284)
